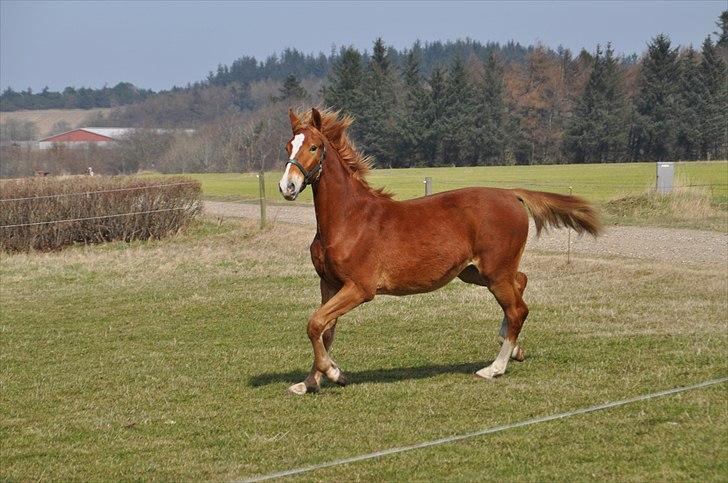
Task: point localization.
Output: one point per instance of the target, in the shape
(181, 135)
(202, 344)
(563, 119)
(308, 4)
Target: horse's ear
(316, 118)
(295, 122)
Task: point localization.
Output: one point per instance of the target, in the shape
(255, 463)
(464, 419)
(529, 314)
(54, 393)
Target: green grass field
(169, 360)
(597, 182)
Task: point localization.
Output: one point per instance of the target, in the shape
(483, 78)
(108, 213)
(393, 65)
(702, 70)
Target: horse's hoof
(488, 373)
(520, 354)
(342, 380)
(301, 388)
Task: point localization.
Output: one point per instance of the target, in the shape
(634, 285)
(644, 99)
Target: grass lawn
(597, 182)
(170, 359)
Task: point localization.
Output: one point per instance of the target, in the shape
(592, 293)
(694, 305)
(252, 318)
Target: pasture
(170, 360)
(596, 182)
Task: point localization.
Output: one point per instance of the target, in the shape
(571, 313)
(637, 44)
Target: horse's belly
(420, 279)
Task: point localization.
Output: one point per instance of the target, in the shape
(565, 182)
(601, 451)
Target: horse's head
(306, 153)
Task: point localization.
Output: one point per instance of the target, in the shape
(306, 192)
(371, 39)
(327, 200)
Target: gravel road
(674, 245)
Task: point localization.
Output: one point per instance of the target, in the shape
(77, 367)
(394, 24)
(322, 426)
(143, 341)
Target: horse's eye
(313, 148)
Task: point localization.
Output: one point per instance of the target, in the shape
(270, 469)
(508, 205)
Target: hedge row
(50, 213)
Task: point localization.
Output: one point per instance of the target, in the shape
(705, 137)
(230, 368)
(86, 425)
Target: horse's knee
(521, 281)
(315, 328)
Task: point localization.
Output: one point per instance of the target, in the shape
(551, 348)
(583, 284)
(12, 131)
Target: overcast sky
(160, 44)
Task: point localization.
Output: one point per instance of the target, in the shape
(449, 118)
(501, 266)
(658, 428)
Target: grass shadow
(395, 374)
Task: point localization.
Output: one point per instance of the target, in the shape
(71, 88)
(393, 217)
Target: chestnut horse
(366, 243)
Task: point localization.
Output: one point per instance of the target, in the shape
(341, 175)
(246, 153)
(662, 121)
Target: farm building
(95, 136)
(86, 136)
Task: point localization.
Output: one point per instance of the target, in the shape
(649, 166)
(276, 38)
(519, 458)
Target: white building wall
(73, 144)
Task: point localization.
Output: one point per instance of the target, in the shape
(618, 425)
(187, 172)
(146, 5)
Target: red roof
(77, 135)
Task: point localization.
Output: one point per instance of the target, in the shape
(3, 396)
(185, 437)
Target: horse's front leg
(312, 383)
(349, 297)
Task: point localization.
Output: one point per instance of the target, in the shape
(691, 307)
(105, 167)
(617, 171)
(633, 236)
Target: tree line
(551, 108)
(121, 94)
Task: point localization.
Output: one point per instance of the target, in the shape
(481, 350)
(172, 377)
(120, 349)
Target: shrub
(50, 213)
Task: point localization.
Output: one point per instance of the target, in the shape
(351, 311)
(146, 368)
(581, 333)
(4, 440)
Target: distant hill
(248, 70)
(46, 119)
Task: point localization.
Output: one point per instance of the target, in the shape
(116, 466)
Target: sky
(160, 44)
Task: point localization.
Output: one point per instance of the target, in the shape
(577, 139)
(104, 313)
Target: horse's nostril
(291, 186)
(280, 189)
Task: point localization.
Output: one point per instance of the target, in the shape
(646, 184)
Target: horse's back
(488, 211)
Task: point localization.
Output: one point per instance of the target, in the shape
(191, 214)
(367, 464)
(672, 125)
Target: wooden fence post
(261, 187)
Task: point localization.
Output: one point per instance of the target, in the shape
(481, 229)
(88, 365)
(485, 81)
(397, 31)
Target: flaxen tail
(555, 210)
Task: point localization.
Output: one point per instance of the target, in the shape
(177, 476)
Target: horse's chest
(344, 262)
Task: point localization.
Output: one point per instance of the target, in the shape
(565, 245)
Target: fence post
(568, 231)
(261, 187)
(428, 186)
(664, 177)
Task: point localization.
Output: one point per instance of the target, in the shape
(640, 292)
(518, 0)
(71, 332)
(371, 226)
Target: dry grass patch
(686, 206)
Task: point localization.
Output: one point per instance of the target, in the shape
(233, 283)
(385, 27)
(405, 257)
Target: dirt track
(666, 244)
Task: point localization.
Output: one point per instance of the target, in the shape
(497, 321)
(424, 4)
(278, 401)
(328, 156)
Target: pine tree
(722, 24)
(691, 93)
(412, 116)
(714, 117)
(377, 121)
(291, 90)
(459, 130)
(657, 103)
(597, 132)
(434, 119)
(490, 115)
(344, 89)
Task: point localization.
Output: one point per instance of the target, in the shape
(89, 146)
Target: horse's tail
(555, 210)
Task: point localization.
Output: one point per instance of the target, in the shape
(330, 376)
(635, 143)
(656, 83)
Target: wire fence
(45, 214)
(567, 185)
(447, 183)
(100, 217)
(97, 192)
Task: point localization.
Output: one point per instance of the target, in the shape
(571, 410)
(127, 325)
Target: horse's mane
(334, 125)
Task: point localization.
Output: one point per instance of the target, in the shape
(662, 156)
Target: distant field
(169, 360)
(596, 182)
(45, 119)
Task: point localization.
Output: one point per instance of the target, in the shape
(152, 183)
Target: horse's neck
(336, 196)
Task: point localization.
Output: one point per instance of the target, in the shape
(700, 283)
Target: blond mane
(334, 125)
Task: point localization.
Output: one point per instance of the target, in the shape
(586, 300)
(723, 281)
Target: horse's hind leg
(471, 275)
(518, 352)
(508, 294)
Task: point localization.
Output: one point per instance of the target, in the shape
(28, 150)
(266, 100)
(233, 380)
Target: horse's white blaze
(298, 180)
(296, 144)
